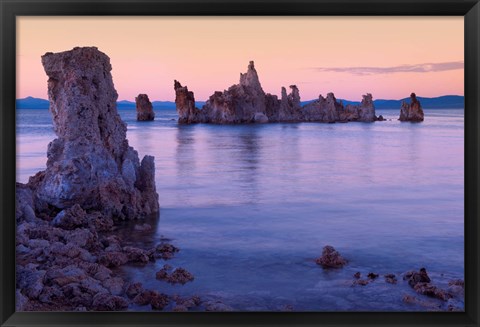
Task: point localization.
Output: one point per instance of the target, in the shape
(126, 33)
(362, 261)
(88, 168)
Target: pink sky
(389, 57)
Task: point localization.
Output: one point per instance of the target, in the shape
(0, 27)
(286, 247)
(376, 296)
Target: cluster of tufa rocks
(421, 283)
(411, 111)
(246, 102)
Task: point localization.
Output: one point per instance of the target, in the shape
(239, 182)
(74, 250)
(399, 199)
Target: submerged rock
(108, 302)
(246, 102)
(432, 290)
(144, 108)
(372, 275)
(188, 302)
(331, 258)
(411, 111)
(391, 278)
(144, 297)
(217, 306)
(421, 283)
(181, 276)
(414, 277)
(165, 251)
(426, 304)
(159, 301)
(178, 276)
(90, 162)
(361, 282)
(134, 289)
(143, 227)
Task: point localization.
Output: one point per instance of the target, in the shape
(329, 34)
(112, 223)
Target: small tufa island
(246, 102)
(144, 108)
(411, 111)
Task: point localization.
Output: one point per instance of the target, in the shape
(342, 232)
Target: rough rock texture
(246, 102)
(90, 163)
(411, 111)
(421, 283)
(65, 241)
(390, 278)
(217, 306)
(414, 277)
(185, 103)
(64, 263)
(178, 276)
(331, 258)
(144, 108)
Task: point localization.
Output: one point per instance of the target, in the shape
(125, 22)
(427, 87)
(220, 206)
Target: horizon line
(418, 96)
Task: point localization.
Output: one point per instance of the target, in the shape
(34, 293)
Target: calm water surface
(251, 206)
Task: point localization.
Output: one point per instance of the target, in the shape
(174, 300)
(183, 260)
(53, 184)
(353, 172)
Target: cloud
(419, 68)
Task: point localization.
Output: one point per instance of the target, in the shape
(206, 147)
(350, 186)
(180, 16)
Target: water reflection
(141, 236)
(185, 161)
(249, 159)
(257, 203)
(289, 153)
(185, 151)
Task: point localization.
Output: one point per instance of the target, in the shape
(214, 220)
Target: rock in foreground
(421, 283)
(246, 102)
(331, 258)
(144, 108)
(411, 111)
(90, 162)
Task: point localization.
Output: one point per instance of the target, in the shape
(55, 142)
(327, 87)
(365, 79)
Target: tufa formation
(246, 102)
(144, 108)
(90, 162)
(411, 111)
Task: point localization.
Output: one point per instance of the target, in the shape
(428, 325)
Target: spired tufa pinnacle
(411, 111)
(246, 102)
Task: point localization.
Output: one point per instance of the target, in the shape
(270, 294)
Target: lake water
(251, 206)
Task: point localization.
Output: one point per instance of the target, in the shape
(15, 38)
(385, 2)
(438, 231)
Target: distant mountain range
(442, 102)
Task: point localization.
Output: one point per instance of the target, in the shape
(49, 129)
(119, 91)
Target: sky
(389, 57)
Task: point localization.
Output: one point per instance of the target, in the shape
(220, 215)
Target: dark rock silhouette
(144, 108)
(185, 103)
(90, 162)
(411, 111)
(421, 283)
(331, 258)
(246, 102)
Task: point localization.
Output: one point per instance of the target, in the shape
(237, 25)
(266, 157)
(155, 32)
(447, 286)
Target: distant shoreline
(441, 102)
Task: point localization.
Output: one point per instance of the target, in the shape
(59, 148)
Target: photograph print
(245, 164)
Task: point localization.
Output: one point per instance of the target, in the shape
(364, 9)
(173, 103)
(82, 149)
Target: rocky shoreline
(451, 299)
(66, 246)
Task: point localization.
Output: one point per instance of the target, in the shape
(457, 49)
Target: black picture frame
(9, 9)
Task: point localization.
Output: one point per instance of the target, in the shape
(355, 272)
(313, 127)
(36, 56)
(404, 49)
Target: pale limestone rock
(90, 162)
